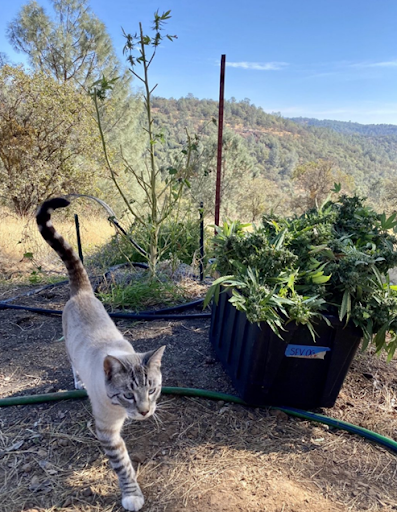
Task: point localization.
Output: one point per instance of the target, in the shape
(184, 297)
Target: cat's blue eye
(151, 391)
(129, 396)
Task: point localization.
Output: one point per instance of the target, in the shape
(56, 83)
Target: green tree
(72, 45)
(387, 196)
(3, 59)
(46, 136)
(274, 154)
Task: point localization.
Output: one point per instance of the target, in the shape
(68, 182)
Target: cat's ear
(153, 358)
(111, 366)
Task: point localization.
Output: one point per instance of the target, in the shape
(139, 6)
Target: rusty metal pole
(220, 138)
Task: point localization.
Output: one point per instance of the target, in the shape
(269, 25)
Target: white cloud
(261, 66)
(348, 71)
(382, 64)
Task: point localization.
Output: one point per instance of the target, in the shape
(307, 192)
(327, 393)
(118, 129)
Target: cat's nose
(143, 413)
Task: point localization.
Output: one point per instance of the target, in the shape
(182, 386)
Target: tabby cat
(120, 382)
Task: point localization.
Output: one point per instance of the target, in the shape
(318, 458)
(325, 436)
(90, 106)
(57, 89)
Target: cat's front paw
(133, 503)
(79, 384)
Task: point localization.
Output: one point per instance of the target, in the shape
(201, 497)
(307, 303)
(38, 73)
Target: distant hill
(348, 127)
(278, 145)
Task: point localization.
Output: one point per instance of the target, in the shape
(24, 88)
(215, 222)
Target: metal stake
(220, 139)
(201, 265)
(76, 221)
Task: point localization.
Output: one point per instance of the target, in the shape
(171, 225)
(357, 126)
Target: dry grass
(19, 237)
(369, 395)
(201, 456)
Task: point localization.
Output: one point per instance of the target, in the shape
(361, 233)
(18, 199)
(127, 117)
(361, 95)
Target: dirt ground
(201, 455)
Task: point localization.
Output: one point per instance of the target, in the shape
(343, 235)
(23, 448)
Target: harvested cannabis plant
(330, 261)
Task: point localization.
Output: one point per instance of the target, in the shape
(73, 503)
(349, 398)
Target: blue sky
(329, 59)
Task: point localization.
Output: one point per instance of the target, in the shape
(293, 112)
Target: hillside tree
(237, 166)
(313, 182)
(258, 195)
(47, 135)
(72, 45)
(3, 59)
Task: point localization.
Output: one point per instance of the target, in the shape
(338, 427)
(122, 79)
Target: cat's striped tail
(78, 277)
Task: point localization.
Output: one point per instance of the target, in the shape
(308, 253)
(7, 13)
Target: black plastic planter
(295, 372)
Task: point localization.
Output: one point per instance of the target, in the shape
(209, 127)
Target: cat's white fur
(90, 335)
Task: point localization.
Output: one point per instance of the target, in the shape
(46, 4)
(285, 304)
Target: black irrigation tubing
(137, 246)
(179, 307)
(127, 316)
(374, 437)
(66, 281)
(28, 308)
(111, 218)
(138, 264)
(159, 314)
(33, 292)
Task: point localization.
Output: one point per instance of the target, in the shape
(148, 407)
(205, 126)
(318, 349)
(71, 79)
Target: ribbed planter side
(295, 371)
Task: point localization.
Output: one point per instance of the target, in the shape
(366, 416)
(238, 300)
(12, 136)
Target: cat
(120, 382)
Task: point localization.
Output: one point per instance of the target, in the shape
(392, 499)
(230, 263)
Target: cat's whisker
(166, 404)
(160, 408)
(157, 420)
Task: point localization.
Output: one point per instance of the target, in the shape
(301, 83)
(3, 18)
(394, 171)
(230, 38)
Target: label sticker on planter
(306, 351)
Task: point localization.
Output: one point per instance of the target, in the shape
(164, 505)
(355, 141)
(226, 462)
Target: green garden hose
(215, 395)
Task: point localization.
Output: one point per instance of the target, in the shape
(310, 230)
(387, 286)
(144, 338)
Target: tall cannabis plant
(162, 187)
